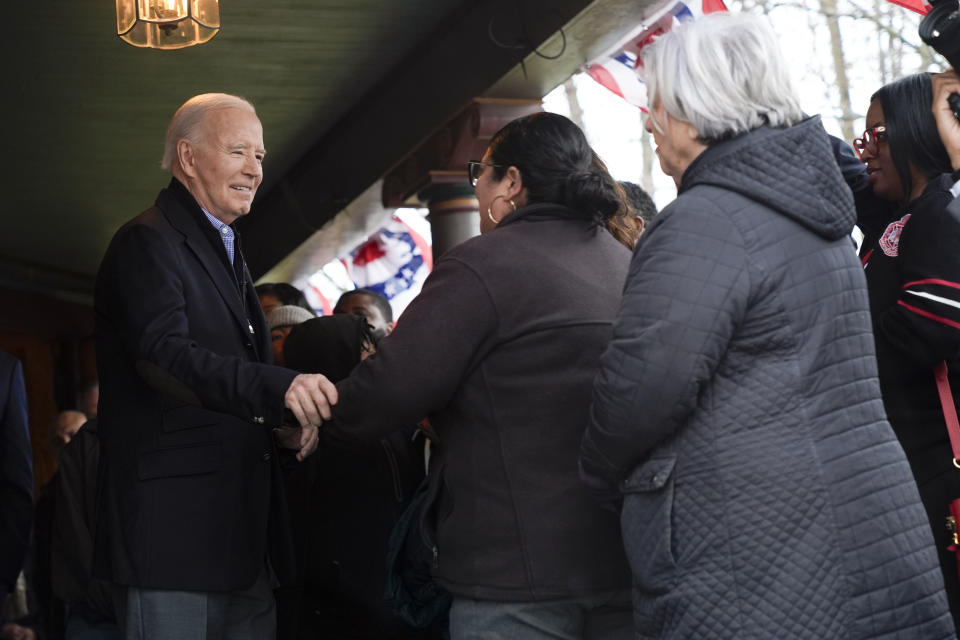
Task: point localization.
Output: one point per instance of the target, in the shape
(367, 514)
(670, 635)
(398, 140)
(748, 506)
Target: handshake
(310, 397)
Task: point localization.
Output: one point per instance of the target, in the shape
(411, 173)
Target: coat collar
(186, 216)
(544, 211)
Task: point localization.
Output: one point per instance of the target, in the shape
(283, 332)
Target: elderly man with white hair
(189, 399)
(737, 418)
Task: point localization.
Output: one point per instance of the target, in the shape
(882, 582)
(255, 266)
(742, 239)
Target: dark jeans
(80, 629)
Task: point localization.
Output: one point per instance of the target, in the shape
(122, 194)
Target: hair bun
(594, 191)
(557, 164)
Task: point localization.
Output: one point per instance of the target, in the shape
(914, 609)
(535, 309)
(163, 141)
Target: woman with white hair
(736, 417)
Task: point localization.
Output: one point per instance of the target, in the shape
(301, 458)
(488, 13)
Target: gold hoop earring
(490, 208)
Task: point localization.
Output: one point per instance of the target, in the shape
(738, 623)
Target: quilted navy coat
(737, 415)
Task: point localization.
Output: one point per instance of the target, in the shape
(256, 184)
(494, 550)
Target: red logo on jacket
(890, 240)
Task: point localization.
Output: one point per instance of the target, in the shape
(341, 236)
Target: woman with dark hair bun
(499, 351)
(557, 167)
(911, 254)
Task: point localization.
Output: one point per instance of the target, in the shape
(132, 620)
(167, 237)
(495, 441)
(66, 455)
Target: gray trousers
(602, 616)
(154, 614)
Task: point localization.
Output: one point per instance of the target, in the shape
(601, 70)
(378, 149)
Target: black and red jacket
(912, 264)
(911, 258)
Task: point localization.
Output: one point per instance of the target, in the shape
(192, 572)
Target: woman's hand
(303, 439)
(945, 84)
(310, 397)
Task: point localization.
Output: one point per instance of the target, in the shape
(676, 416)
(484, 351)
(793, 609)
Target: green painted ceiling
(85, 113)
(344, 88)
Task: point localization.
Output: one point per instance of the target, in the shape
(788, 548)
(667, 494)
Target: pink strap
(949, 409)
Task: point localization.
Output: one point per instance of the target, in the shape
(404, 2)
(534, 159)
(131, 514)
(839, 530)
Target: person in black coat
(912, 263)
(189, 399)
(89, 601)
(16, 474)
(345, 501)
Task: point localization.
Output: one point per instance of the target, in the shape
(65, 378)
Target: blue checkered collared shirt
(226, 233)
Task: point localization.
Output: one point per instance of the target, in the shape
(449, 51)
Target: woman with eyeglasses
(499, 350)
(736, 418)
(911, 254)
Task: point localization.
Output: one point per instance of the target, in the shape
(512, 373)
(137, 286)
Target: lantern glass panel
(162, 10)
(206, 12)
(126, 15)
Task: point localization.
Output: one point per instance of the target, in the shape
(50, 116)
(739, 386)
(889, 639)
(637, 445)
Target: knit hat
(288, 316)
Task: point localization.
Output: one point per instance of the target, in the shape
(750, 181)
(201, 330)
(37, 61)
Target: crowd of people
(594, 422)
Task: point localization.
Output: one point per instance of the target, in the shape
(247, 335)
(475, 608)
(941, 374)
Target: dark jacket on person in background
(74, 525)
(188, 401)
(738, 415)
(16, 473)
(912, 264)
(499, 350)
(344, 501)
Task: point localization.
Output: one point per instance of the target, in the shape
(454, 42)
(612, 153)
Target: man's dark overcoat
(188, 398)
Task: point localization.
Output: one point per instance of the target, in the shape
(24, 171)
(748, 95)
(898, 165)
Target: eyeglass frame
(471, 164)
(879, 134)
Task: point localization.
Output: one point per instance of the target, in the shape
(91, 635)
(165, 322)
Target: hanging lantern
(167, 24)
